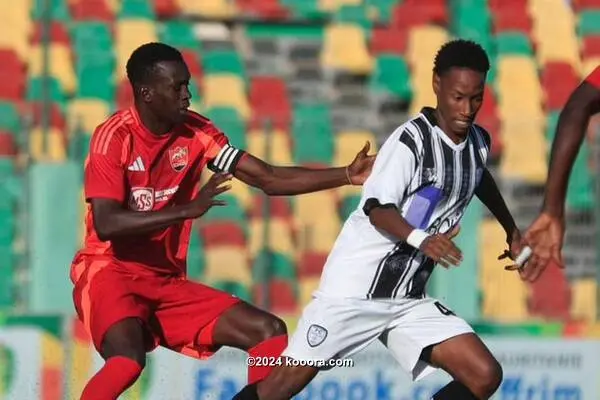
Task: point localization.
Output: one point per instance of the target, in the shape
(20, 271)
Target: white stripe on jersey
(430, 180)
(226, 160)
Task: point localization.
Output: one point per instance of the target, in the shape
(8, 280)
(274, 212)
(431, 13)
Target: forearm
(569, 137)
(123, 222)
(298, 180)
(389, 220)
(490, 196)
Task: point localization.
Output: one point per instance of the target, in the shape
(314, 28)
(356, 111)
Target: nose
(467, 109)
(186, 95)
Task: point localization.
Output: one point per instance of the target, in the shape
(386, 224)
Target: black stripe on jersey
(391, 269)
(465, 161)
(416, 288)
(406, 138)
(423, 128)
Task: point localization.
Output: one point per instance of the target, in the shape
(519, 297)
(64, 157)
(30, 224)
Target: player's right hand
(205, 199)
(442, 250)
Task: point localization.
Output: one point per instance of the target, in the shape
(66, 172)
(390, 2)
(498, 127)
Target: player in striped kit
(373, 283)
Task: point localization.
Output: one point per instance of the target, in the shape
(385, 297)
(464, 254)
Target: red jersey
(145, 173)
(594, 77)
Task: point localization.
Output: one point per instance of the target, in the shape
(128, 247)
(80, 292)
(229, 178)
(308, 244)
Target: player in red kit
(545, 235)
(141, 182)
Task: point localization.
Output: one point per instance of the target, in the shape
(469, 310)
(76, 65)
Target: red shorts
(179, 314)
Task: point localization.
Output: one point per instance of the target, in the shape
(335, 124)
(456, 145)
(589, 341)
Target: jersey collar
(428, 114)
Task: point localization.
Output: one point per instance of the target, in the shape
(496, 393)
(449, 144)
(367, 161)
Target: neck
(446, 128)
(151, 122)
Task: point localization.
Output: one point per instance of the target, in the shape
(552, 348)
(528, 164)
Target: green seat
(589, 23)
(10, 119)
(196, 261)
(232, 211)
(96, 80)
(7, 167)
(235, 288)
(308, 9)
(136, 9)
(91, 35)
(7, 221)
(35, 89)
(228, 120)
(349, 204)
(312, 134)
(391, 76)
(59, 10)
(551, 124)
(7, 277)
(383, 9)
(355, 14)
(179, 34)
(513, 43)
(580, 193)
(278, 265)
(223, 62)
(193, 88)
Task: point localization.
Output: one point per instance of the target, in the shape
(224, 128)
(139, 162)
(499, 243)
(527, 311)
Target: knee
(488, 378)
(271, 326)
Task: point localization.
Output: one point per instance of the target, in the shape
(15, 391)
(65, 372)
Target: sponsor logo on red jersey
(141, 199)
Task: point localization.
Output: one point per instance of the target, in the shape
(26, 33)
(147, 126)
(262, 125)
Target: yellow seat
(129, 35)
(280, 147)
(588, 65)
(59, 65)
(525, 150)
(334, 5)
(54, 150)
(280, 237)
(563, 48)
(208, 8)
(345, 49)
(307, 288)
(423, 43)
(238, 189)
(421, 98)
(87, 113)
(227, 263)
(16, 28)
(113, 5)
(583, 302)
(320, 237)
(225, 90)
(495, 281)
(312, 212)
(348, 143)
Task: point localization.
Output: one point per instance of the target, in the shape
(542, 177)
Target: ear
(146, 93)
(436, 83)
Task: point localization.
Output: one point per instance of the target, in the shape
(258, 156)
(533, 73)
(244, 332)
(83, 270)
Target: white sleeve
(392, 173)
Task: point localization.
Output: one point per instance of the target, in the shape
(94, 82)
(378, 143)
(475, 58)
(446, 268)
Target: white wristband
(416, 238)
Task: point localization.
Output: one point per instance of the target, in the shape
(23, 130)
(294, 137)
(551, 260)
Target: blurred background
(295, 82)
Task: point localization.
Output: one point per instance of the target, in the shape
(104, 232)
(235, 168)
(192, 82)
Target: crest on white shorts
(316, 335)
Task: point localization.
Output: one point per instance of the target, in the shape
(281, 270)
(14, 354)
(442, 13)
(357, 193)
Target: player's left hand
(360, 169)
(514, 248)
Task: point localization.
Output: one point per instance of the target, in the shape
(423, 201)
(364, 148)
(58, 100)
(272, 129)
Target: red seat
(388, 40)
(558, 80)
(591, 46)
(488, 118)
(222, 233)
(499, 5)
(551, 295)
(12, 76)
(166, 8)
(58, 33)
(311, 264)
(418, 12)
(124, 95)
(193, 63)
(580, 5)
(279, 207)
(91, 10)
(269, 100)
(266, 9)
(282, 296)
(57, 119)
(8, 146)
(509, 19)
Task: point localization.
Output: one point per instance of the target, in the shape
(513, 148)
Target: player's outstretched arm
(487, 191)
(112, 220)
(278, 181)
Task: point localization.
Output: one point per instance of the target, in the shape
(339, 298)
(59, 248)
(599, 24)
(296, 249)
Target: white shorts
(336, 328)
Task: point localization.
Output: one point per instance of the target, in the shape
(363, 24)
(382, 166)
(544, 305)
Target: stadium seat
(551, 295)
(582, 5)
(524, 151)
(10, 120)
(208, 8)
(8, 146)
(284, 296)
(410, 12)
(223, 233)
(59, 10)
(512, 19)
(279, 207)
(330, 6)
(55, 148)
(57, 119)
(580, 192)
(558, 80)
(7, 278)
(94, 34)
(590, 46)
(278, 265)
(227, 263)
(265, 9)
(270, 103)
(60, 66)
(589, 23)
(316, 217)
(349, 143)
(280, 237)
(58, 33)
(583, 303)
(235, 288)
(271, 146)
(311, 263)
(356, 14)
(345, 49)
(179, 34)
(88, 113)
(312, 134)
(101, 86)
(195, 261)
(391, 76)
(16, 28)
(308, 9)
(228, 120)
(513, 43)
(307, 288)
(226, 90)
(223, 62)
(13, 75)
(97, 10)
(239, 190)
(132, 9)
(588, 65)
(348, 206)
(166, 8)
(130, 34)
(386, 40)
(35, 91)
(231, 211)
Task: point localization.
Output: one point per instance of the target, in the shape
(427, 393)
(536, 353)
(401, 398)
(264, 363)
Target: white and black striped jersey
(430, 180)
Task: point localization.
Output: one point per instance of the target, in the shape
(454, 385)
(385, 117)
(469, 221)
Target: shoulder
(200, 124)
(482, 135)
(410, 134)
(112, 133)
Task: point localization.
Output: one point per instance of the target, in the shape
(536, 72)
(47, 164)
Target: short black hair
(461, 53)
(142, 61)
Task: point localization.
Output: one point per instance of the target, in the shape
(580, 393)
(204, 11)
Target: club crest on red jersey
(178, 157)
